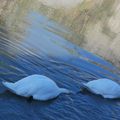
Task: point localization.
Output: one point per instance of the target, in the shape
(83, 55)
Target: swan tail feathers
(8, 85)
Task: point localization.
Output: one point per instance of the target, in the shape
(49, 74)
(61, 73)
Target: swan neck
(63, 90)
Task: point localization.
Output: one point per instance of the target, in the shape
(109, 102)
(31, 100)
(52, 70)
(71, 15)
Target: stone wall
(95, 23)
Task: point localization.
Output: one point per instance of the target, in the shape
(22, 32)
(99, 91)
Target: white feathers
(105, 87)
(43, 88)
(38, 86)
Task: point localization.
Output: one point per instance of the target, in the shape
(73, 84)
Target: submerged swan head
(63, 90)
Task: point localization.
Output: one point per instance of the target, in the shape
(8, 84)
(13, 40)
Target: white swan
(105, 87)
(38, 86)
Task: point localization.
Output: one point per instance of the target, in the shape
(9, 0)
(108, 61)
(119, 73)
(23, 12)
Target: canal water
(39, 46)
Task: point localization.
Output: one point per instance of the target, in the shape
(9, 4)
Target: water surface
(39, 47)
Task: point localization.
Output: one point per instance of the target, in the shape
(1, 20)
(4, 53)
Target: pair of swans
(43, 88)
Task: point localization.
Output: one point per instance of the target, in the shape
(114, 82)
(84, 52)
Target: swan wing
(105, 87)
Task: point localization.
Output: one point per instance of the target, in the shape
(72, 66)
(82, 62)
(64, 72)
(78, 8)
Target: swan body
(38, 86)
(105, 87)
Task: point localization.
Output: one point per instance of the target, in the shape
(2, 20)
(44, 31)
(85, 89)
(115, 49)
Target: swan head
(66, 91)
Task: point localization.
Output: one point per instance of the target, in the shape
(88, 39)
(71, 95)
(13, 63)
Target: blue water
(40, 48)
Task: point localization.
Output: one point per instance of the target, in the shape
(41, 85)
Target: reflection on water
(39, 47)
(94, 23)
